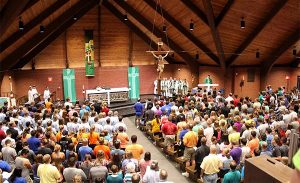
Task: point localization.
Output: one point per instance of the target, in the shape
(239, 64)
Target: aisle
(173, 173)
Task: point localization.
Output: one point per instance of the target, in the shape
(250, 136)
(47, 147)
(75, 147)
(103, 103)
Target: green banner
(89, 53)
(134, 82)
(69, 84)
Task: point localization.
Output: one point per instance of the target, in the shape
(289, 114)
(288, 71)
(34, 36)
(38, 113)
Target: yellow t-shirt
(136, 149)
(190, 139)
(211, 164)
(48, 173)
(155, 126)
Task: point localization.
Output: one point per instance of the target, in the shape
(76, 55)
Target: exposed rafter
(196, 10)
(13, 58)
(135, 29)
(34, 22)
(296, 60)
(183, 30)
(29, 5)
(188, 59)
(215, 33)
(223, 12)
(288, 43)
(29, 56)
(269, 62)
(257, 30)
(10, 12)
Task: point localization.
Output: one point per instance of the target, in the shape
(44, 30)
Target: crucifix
(160, 55)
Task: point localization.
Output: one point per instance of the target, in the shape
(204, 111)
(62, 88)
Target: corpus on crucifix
(160, 55)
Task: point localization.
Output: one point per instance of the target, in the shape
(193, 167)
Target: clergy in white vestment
(30, 96)
(34, 92)
(46, 94)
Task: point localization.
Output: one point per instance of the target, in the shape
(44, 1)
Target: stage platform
(125, 109)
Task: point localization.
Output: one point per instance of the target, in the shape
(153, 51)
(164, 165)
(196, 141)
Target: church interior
(79, 48)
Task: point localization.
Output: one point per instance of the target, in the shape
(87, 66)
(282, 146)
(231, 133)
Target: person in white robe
(34, 93)
(30, 95)
(47, 94)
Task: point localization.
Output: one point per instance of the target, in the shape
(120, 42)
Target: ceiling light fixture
(42, 29)
(197, 56)
(125, 17)
(164, 28)
(257, 54)
(21, 24)
(191, 25)
(243, 23)
(294, 51)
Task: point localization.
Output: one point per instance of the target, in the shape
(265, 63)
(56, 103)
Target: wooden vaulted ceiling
(272, 27)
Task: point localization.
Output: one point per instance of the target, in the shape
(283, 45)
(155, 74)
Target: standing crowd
(214, 134)
(68, 142)
(71, 143)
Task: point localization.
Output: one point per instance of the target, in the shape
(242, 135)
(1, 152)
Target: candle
(83, 87)
(243, 77)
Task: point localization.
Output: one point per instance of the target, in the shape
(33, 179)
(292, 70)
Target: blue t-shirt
(34, 143)
(19, 180)
(4, 166)
(115, 178)
(232, 177)
(182, 133)
(269, 142)
(83, 150)
(138, 107)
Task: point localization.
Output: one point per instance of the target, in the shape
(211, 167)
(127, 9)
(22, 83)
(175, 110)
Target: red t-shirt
(169, 128)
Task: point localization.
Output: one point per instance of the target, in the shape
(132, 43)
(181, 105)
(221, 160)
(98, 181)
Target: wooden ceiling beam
(196, 10)
(183, 30)
(188, 59)
(136, 30)
(224, 11)
(13, 58)
(257, 30)
(287, 44)
(10, 12)
(296, 60)
(29, 5)
(34, 22)
(29, 56)
(215, 33)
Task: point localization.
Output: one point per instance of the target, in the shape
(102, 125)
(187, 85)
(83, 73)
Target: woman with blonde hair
(100, 159)
(58, 157)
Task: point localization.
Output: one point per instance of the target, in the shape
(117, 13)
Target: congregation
(214, 134)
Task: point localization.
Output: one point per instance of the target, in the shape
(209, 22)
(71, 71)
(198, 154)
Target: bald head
(163, 175)
(213, 149)
(47, 158)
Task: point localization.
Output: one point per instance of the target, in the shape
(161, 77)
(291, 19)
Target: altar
(108, 95)
(207, 86)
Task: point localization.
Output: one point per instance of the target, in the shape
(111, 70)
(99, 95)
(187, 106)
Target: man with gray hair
(152, 173)
(163, 175)
(210, 166)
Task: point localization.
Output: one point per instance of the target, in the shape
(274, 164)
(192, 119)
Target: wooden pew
(181, 161)
(192, 172)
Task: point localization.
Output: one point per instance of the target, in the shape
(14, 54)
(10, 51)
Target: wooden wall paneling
(34, 22)
(276, 8)
(11, 11)
(130, 47)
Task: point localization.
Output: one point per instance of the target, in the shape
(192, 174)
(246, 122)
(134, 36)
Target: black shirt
(14, 133)
(44, 150)
(201, 153)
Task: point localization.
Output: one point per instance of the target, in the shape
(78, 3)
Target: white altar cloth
(108, 92)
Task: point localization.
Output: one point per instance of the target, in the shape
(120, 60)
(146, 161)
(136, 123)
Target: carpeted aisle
(173, 173)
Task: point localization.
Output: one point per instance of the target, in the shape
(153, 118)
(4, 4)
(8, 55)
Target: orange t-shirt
(104, 148)
(124, 139)
(136, 149)
(58, 136)
(93, 138)
(253, 144)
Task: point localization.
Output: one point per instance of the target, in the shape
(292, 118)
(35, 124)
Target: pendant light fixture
(191, 25)
(42, 29)
(257, 54)
(125, 17)
(21, 24)
(164, 28)
(243, 23)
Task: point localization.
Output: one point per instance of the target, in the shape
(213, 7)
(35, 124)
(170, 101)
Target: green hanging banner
(89, 53)
(69, 84)
(134, 82)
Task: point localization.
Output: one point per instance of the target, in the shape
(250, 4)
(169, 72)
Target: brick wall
(117, 77)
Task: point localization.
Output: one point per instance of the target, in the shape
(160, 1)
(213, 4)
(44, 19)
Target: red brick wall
(117, 77)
